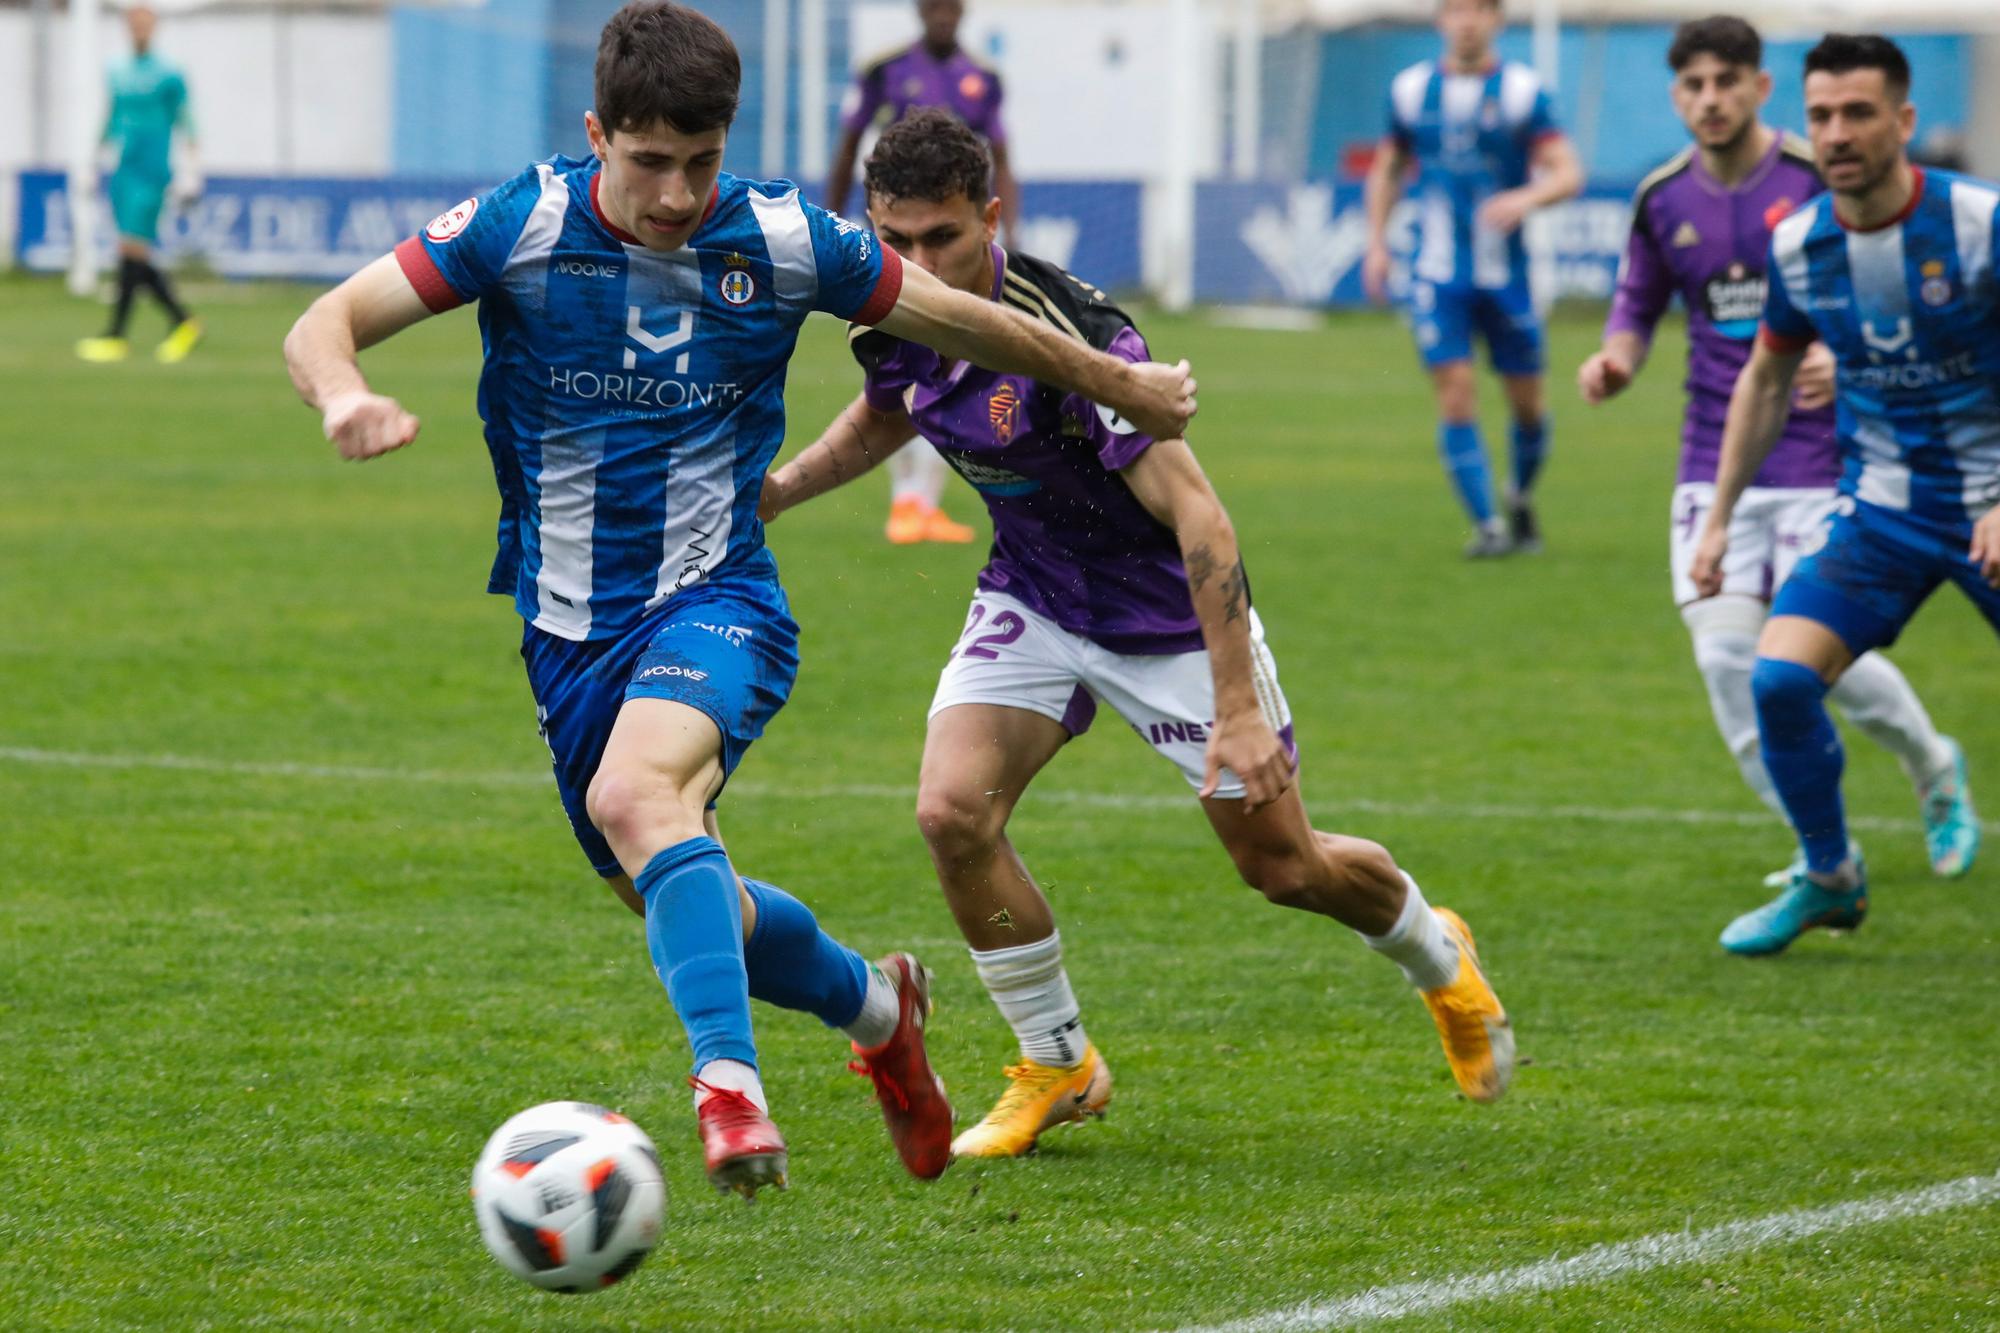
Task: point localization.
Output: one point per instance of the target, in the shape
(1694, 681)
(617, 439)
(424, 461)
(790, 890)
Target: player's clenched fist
(1161, 400)
(1706, 571)
(365, 425)
(1603, 376)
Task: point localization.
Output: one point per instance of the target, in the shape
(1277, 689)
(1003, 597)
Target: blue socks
(796, 965)
(1530, 446)
(1803, 754)
(694, 930)
(1464, 455)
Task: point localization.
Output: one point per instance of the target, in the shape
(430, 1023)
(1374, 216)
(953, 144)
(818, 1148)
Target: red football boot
(911, 1094)
(740, 1146)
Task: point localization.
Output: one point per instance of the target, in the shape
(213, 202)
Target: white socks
(876, 1022)
(918, 470)
(1417, 943)
(1875, 696)
(1029, 985)
(733, 1075)
(1725, 633)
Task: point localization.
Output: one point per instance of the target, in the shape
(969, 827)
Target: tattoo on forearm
(1200, 567)
(1234, 585)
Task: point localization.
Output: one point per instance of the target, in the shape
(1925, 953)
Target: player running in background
(1701, 227)
(638, 311)
(1482, 135)
(1894, 269)
(933, 71)
(1114, 577)
(149, 106)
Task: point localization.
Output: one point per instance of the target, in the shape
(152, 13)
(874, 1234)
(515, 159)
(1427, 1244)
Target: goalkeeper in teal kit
(149, 105)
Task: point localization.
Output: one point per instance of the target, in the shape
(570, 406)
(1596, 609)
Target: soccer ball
(569, 1196)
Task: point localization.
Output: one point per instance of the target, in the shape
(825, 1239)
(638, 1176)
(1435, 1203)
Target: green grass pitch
(258, 1013)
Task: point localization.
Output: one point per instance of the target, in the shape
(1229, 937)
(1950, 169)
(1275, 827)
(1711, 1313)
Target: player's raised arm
(320, 353)
(1168, 481)
(859, 438)
(1757, 412)
(1159, 399)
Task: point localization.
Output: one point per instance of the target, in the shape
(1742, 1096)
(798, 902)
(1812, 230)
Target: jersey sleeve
(1396, 131)
(183, 115)
(1645, 283)
(996, 128)
(1785, 327)
(1541, 123)
(864, 98)
(859, 278)
(1118, 441)
(883, 375)
(462, 254)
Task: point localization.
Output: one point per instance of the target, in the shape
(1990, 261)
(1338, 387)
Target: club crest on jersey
(1778, 212)
(452, 221)
(1003, 409)
(1936, 289)
(972, 87)
(738, 287)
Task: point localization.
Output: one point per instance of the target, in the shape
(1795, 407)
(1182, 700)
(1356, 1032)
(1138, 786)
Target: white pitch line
(1362, 805)
(1607, 1263)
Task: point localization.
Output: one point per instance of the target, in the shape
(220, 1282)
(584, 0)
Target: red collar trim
(597, 207)
(1902, 216)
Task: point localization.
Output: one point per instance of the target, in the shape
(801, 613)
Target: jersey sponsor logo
(737, 635)
(642, 390)
(658, 343)
(1685, 236)
(988, 479)
(738, 287)
(1003, 409)
(1734, 301)
(587, 268)
(452, 221)
(1888, 344)
(1912, 374)
(675, 670)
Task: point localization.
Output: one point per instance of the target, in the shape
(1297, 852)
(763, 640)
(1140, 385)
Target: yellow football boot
(1478, 1040)
(179, 343)
(1038, 1097)
(103, 349)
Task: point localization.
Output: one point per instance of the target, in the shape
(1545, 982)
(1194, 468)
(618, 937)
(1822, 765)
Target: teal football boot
(1951, 825)
(1802, 906)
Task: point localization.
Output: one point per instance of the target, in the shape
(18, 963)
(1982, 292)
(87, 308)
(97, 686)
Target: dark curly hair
(1724, 36)
(1841, 52)
(930, 154)
(658, 61)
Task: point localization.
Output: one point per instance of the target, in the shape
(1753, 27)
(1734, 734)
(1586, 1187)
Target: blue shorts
(1875, 569)
(730, 650)
(1443, 317)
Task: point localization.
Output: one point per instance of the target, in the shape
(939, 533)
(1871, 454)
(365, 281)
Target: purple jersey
(1070, 540)
(1708, 241)
(913, 77)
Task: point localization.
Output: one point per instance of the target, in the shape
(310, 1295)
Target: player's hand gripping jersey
(1911, 311)
(1070, 540)
(634, 398)
(1693, 235)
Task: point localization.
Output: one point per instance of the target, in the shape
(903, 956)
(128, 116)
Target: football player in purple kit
(638, 310)
(1114, 578)
(932, 71)
(1702, 227)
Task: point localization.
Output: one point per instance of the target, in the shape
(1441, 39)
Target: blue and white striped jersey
(1472, 136)
(634, 398)
(1911, 310)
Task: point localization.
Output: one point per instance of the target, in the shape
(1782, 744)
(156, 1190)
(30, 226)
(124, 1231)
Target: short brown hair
(1842, 52)
(932, 155)
(659, 61)
(1724, 36)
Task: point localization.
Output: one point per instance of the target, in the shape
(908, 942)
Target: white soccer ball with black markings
(569, 1196)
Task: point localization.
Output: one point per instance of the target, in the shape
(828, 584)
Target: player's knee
(1788, 694)
(957, 823)
(631, 807)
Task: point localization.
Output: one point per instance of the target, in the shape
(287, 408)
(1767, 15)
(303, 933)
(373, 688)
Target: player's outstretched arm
(320, 353)
(1757, 412)
(859, 438)
(1158, 399)
(1170, 483)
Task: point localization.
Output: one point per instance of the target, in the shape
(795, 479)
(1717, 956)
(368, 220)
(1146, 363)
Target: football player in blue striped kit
(1894, 269)
(1483, 136)
(638, 310)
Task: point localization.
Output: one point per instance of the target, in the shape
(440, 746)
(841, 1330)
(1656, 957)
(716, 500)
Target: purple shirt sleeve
(1118, 441)
(994, 130)
(864, 98)
(1645, 283)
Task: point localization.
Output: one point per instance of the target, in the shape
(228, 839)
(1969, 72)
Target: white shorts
(1012, 657)
(1770, 531)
